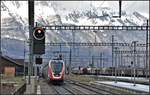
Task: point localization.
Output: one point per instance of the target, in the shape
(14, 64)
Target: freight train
(54, 71)
(108, 71)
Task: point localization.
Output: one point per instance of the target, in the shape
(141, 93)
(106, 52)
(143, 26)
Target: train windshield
(56, 66)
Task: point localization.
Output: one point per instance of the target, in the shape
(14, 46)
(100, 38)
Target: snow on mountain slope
(15, 21)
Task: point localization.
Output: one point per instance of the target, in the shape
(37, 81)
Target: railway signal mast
(36, 41)
(31, 25)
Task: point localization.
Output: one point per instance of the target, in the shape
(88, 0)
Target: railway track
(78, 89)
(73, 88)
(97, 90)
(69, 88)
(106, 89)
(61, 90)
(66, 88)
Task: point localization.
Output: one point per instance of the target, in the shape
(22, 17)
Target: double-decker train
(54, 71)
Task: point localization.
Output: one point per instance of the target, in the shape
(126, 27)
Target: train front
(56, 70)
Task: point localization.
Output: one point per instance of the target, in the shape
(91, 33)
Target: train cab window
(56, 66)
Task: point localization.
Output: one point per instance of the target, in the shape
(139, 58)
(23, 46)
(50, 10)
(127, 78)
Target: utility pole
(70, 59)
(31, 26)
(0, 59)
(120, 9)
(138, 60)
(112, 53)
(146, 65)
(73, 40)
(101, 58)
(121, 62)
(118, 62)
(116, 48)
(148, 29)
(134, 59)
(100, 55)
(24, 62)
(89, 48)
(92, 61)
(95, 53)
(120, 4)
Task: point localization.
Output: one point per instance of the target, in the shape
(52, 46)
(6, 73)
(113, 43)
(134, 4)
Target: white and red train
(54, 71)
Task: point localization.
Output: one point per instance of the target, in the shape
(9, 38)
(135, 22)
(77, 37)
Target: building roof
(7, 61)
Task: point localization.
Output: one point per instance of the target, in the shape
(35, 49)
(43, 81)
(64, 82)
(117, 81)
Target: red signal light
(39, 33)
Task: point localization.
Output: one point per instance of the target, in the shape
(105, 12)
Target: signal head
(39, 33)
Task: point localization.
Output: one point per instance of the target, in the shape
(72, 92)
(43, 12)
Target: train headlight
(53, 73)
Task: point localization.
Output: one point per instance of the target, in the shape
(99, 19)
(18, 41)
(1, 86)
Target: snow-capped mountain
(15, 23)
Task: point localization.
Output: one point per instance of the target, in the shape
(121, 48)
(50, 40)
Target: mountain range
(14, 24)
